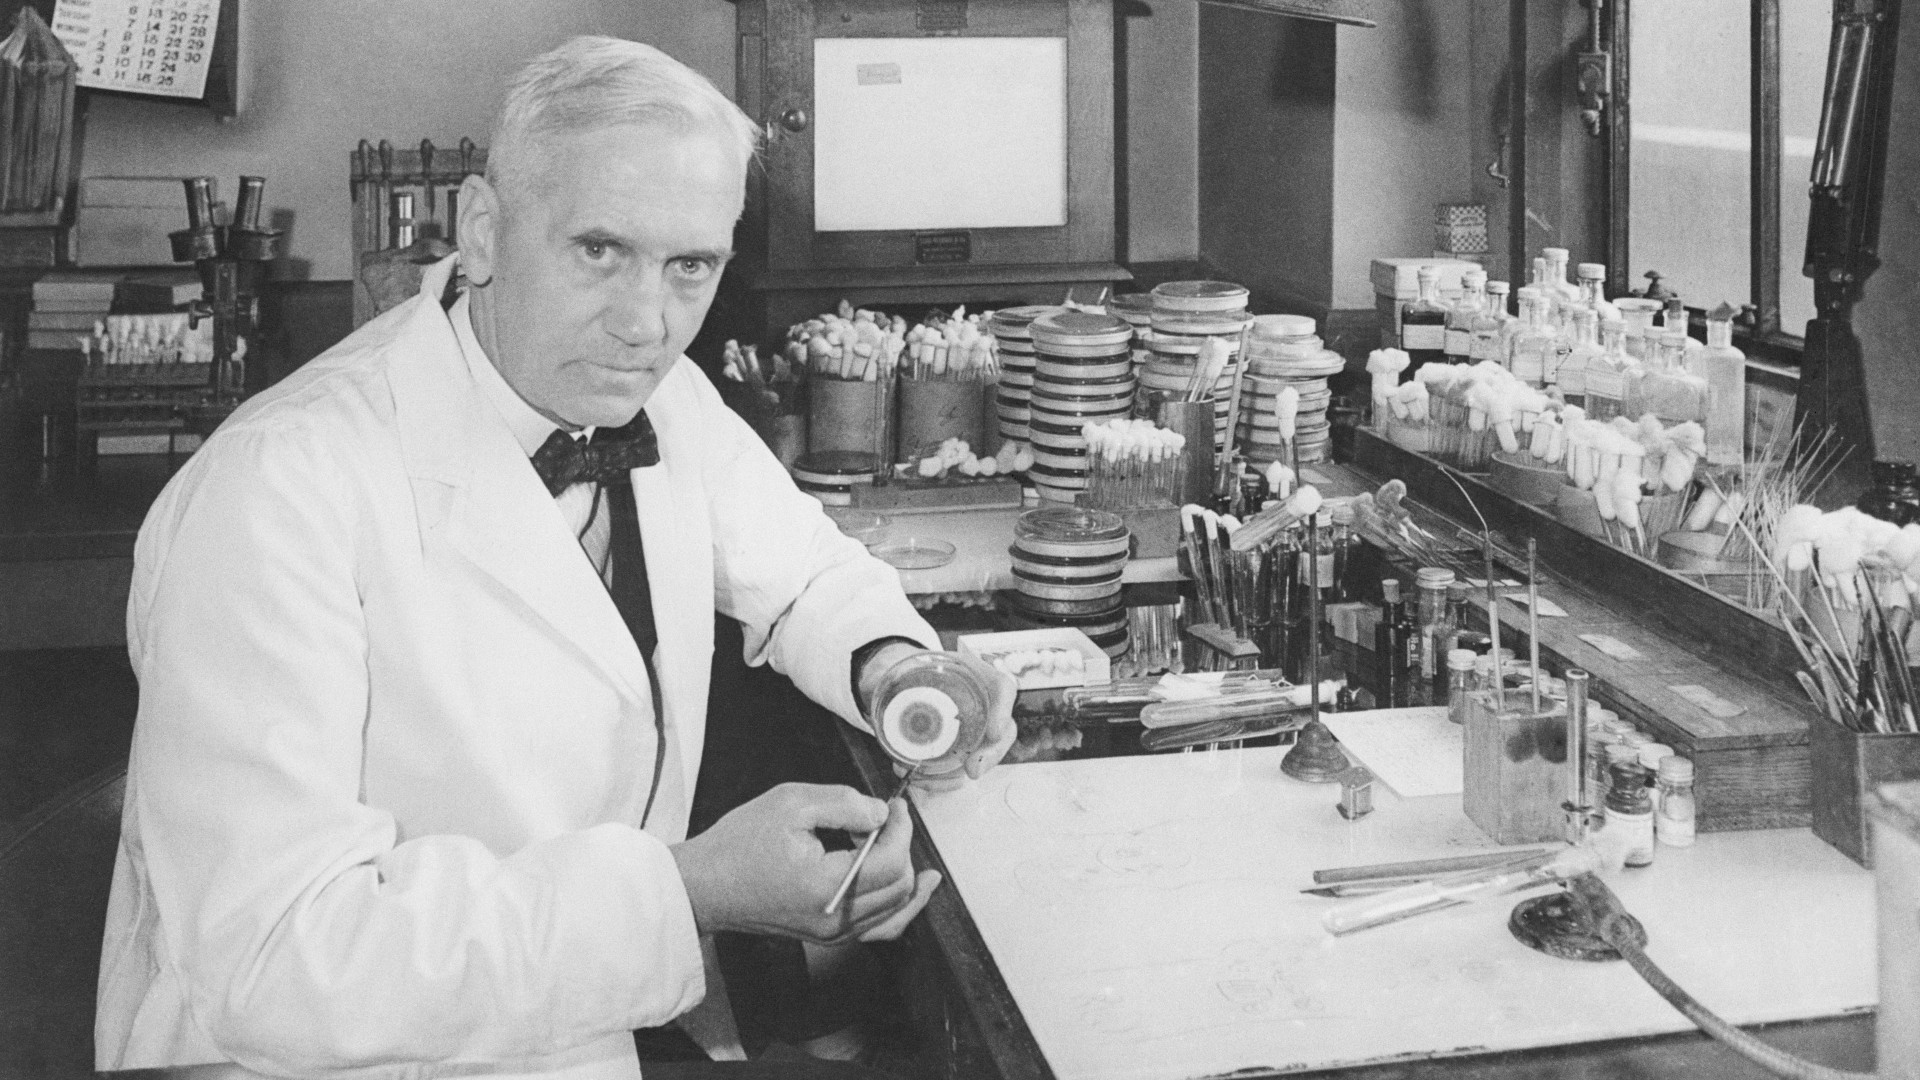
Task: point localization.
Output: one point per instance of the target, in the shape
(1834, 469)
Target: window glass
(1805, 26)
(1690, 178)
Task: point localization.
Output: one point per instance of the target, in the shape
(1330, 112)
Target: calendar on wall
(162, 47)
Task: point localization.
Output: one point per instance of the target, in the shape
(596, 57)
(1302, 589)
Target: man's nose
(638, 314)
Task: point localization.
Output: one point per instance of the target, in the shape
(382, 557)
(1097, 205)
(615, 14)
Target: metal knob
(795, 120)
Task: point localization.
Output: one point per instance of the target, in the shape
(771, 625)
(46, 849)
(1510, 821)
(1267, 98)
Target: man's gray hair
(597, 82)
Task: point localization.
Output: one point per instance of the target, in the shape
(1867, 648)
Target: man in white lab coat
(406, 796)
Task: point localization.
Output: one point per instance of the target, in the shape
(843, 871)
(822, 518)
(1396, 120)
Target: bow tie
(563, 461)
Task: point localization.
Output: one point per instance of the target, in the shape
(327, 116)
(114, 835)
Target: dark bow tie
(563, 461)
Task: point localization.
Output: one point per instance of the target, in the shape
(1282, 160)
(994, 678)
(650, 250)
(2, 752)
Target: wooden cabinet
(796, 264)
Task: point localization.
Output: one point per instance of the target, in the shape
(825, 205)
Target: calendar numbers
(146, 46)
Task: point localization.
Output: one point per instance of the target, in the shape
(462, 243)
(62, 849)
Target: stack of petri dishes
(1185, 315)
(1009, 327)
(1283, 351)
(830, 475)
(1137, 309)
(1067, 563)
(1083, 373)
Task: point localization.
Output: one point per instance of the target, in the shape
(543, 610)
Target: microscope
(232, 261)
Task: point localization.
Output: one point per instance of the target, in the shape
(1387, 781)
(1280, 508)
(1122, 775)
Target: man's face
(597, 276)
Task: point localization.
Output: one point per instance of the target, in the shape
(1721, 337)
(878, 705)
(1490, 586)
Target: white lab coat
(394, 740)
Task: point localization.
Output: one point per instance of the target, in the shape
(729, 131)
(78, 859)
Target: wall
(1402, 136)
(320, 75)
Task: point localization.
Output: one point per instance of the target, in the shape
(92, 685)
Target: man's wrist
(871, 661)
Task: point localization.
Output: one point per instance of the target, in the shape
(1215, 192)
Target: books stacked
(65, 307)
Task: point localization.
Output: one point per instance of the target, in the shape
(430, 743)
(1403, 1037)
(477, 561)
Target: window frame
(1762, 338)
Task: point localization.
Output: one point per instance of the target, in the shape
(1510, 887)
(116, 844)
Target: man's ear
(479, 228)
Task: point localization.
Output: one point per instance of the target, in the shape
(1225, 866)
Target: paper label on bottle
(1486, 346)
(1459, 343)
(1431, 337)
(1606, 384)
(1320, 573)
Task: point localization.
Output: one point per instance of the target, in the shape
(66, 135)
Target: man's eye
(594, 249)
(695, 268)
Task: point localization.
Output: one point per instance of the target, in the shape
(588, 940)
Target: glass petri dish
(863, 525)
(914, 553)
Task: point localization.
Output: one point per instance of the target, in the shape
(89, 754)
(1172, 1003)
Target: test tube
(1577, 754)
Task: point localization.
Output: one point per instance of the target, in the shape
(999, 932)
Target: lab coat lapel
(473, 485)
(680, 578)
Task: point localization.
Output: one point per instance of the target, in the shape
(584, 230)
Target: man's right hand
(763, 869)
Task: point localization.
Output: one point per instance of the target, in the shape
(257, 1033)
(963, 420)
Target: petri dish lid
(1013, 321)
(1066, 327)
(1281, 326)
(1133, 306)
(1200, 295)
(914, 553)
(1069, 525)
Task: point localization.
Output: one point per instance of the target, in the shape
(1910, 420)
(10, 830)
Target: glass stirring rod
(866, 847)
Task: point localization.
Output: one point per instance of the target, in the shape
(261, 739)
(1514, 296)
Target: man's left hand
(1000, 731)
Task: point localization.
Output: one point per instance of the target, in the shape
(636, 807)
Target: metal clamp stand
(1316, 757)
(231, 260)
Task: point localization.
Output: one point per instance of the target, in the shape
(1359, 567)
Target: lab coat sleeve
(308, 937)
(806, 594)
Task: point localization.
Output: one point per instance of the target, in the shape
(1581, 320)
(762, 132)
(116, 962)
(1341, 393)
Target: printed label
(876, 74)
(1430, 337)
(1459, 343)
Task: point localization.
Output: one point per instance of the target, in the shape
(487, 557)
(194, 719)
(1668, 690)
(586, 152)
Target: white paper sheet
(939, 133)
(159, 47)
(1416, 752)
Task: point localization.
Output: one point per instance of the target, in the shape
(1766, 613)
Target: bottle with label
(1725, 370)
(1593, 290)
(1895, 494)
(1493, 327)
(1630, 812)
(1423, 322)
(1563, 296)
(1678, 323)
(1573, 356)
(1460, 316)
(1660, 387)
(1675, 808)
(1534, 341)
(1456, 618)
(1606, 370)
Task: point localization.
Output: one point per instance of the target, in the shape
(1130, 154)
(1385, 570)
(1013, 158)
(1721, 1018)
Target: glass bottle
(1534, 340)
(1390, 633)
(1895, 494)
(1539, 278)
(1562, 295)
(1456, 618)
(1492, 327)
(1432, 582)
(1664, 388)
(1606, 373)
(1346, 544)
(1459, 683)
(1593, 290)
(1674, 806)
(1677, 323)
(1630, 812)
(1462, 313)
(1638, 313)
(1423, 322)
(1725, 370)
(1573, 356)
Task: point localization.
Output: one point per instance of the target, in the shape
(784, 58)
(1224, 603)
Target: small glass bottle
(1574, 358)
(1678, 323)
(1563, 295)
(1534, 341)
(1725, 370)
(1390, 633)
(1423, 322)
(1432, 582)
(1895, 494)
(1493, 327)
(930, 711)
(1346, 545)
(1459, 683)
(1593, 291)
(1630, 812)
(1606, 373)
(1456, 618)
(1675, 807)
(1462, 313)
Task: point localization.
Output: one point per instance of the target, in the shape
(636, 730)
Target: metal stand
(1316, 757)
(231, 260)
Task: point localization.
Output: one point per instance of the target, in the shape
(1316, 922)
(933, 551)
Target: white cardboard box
(1095, 667)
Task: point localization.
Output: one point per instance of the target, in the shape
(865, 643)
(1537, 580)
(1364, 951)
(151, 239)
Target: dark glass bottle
(1895, 494)
(1423, 322)
(1390, 634)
